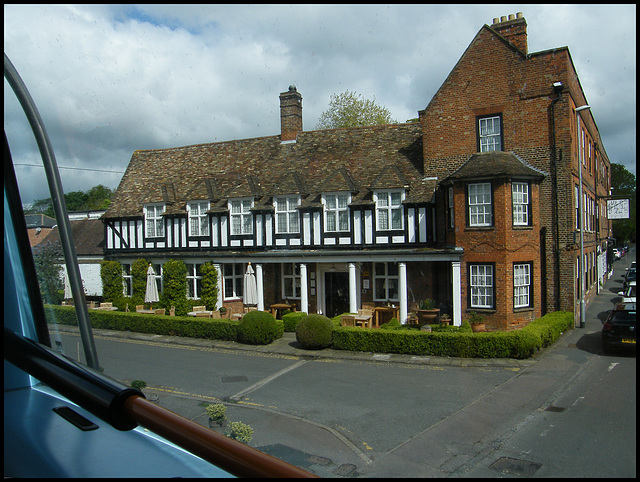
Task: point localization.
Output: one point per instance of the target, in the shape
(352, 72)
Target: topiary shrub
(258, 328)
(314, 332)
(291, 320)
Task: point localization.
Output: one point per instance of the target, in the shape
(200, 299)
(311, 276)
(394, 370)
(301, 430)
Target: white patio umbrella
(250, 296)
(67, 287)
(151, 294)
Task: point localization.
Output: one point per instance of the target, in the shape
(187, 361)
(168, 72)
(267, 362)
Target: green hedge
(212, 329)
(502, 344)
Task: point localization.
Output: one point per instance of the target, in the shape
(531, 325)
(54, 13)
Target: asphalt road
(569, 412)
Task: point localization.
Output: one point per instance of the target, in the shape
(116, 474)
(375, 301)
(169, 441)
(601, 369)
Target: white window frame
(386, 282)
(198, 218)
(520, 202)
(286, 214)
(481, 286)
(522, 278)
(153, 220)
(336, 216)
(291, 281)
(194, 281)
(389, 210)
(490, 133)
(480, 202)
(240, 216)
(233, 278)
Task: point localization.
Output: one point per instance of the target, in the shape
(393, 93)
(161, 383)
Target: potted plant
(216, 413)
(445, 319)
(477, 322)
(427, 312)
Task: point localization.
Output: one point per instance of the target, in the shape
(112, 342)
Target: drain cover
(344, 470)
(233, 378)
(507, 465)
(552, 408)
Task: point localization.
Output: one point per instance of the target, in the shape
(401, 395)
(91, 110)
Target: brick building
(501, 97)
(473, 206)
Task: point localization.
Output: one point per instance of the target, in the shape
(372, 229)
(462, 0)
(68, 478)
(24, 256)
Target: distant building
(38, 227)
(474, 206)
(88, 236)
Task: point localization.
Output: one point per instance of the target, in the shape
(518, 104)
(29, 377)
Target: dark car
(619, 331)
(629, 276)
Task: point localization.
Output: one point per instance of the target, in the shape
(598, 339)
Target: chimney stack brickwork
(290, 114)
(514, 29)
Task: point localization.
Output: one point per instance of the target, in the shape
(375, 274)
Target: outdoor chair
(348, 320)
(172, 311)
(215, 314)
(199, 308)
(139, 307)
(203, 314)
(159, 311)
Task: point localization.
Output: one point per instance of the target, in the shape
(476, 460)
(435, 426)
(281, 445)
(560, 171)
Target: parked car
(619, 331)
(629, 276)
(629, 294)
(617, 253)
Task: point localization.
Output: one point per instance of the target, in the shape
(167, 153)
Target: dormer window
(154, 224)
(389, 210)
(287, 216)
(336, 212)
(198, 219)
(240, 216)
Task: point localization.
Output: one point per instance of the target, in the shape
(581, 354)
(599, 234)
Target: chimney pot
(503, 18)
(496, 20)
(512, 16)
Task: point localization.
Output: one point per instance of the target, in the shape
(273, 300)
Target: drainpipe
(557, 87)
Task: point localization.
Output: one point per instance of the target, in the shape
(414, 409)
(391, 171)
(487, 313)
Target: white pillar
(353, 292)
(402, 287)
(260, 286)
(304, 294)
(457, 293)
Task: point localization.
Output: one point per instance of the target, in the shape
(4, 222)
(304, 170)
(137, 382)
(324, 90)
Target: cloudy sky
(111, 79)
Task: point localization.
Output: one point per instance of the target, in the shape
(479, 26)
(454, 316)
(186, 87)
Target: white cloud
(123, 77)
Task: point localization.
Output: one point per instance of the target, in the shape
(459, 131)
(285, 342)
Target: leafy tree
(624, 185)
(112, 281)
(139, 280)
(174, 293)
(351, 110)
(49, 272)
(209, 285)
(98, 197)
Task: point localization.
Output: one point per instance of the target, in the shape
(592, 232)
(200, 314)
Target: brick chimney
(290, 114)
(514, 29)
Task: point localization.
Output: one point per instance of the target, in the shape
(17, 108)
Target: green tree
(98, 197)
(623, 184)
(49, 272)
(351, 110)
(209, 285)
(139, 280)
(112, 281)
(174, 292)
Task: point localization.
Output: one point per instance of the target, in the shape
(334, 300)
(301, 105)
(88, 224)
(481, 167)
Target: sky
(112, 79)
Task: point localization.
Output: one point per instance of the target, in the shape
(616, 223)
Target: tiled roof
(356, 160)
(88, 237)
(495, 164)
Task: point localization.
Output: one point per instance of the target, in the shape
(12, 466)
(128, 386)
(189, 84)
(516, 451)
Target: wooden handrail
(235, 457)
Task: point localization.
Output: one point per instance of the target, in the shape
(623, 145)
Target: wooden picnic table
(280, 307)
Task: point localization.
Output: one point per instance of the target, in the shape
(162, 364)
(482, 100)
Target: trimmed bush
(314, 332)
(259, 328)
(291, 320)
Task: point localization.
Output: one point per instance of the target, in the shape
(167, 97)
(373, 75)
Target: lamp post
(581, 209)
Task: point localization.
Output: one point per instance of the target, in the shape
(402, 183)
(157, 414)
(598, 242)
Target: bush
(209, 284)
(216, 412)
(259, 328)
(112, 281)
(291, 320)
(174, 279)
(314, 332)
(241, 432)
